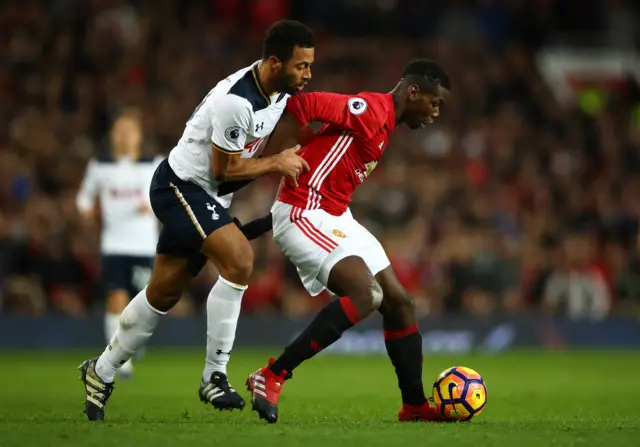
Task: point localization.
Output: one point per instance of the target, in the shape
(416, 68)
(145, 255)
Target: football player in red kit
(314, 228)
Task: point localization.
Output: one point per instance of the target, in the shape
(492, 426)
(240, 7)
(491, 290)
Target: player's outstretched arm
(351, 113)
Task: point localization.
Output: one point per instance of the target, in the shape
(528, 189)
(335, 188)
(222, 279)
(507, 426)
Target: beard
(286, 84)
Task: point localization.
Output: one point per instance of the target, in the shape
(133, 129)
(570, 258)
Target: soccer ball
(460, 393)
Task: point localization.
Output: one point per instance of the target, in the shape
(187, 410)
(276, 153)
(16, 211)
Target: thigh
(228, 248)
(114, 273)
(169, 245)
(359, 241)
(303, 237)
(350, 277)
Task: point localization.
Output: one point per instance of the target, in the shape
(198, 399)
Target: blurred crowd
(512, 202)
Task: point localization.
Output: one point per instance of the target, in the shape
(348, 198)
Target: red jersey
(345, 151)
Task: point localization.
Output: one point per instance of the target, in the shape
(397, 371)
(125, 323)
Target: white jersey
(122, 187)
(238, 117)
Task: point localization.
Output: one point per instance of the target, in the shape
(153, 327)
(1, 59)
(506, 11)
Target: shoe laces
(221, 381)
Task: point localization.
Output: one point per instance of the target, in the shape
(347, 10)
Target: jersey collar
(391, 123)
(256, 78)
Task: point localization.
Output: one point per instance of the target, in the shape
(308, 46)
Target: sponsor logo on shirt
(124, 193)
(369, 167)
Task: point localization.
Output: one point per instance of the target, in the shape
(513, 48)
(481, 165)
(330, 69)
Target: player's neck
(398, 102)
(265, 78)
(131, 154)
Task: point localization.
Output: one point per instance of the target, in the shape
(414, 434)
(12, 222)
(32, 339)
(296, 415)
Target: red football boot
(265, 387)
(429, 412)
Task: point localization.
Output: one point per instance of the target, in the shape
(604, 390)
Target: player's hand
(144, 208)
(89, 218)
(291, 165)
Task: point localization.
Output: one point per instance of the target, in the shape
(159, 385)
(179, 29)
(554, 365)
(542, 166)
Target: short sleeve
(362, 115)
(86, 198)
(231, 119)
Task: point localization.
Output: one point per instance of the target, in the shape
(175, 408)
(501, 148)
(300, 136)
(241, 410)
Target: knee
(403, 301)
(238, 268)
(398, 302)
(376, 294)
(163, 295)
(368, 297)
(117, 300)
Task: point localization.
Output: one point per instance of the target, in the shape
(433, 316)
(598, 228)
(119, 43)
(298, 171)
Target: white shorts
(314, 241)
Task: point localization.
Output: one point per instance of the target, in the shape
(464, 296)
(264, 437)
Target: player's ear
(413, 91)
(274, 63)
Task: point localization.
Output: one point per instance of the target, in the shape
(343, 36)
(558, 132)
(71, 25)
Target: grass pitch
(535, 399)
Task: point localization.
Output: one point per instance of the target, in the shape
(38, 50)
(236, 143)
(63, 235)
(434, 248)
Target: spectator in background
(578, 284)
(470, 211)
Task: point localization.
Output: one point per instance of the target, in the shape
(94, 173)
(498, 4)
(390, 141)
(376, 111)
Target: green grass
(535, 399)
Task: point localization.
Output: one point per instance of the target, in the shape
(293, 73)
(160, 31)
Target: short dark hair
(429, 71)
(282, 38)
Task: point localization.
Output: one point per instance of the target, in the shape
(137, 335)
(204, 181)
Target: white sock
(111, 322)
(223, 310)
(126, 368)
(135, 327)
(110, 325)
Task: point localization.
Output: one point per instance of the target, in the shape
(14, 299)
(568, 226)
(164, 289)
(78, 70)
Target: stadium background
(513, 221)
(515, 196)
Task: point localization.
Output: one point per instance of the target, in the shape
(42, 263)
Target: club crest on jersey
(212, 208)
(233, 133)
(339, 233)
(357, 106)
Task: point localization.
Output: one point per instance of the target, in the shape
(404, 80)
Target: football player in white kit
(219, 152)
(120, 178)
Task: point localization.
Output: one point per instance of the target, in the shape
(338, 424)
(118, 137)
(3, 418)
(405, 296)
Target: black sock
(326, 328)
(405, 351)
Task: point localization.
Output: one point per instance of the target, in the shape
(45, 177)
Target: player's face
(296, 72)
(424, 108)
(126, 134)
